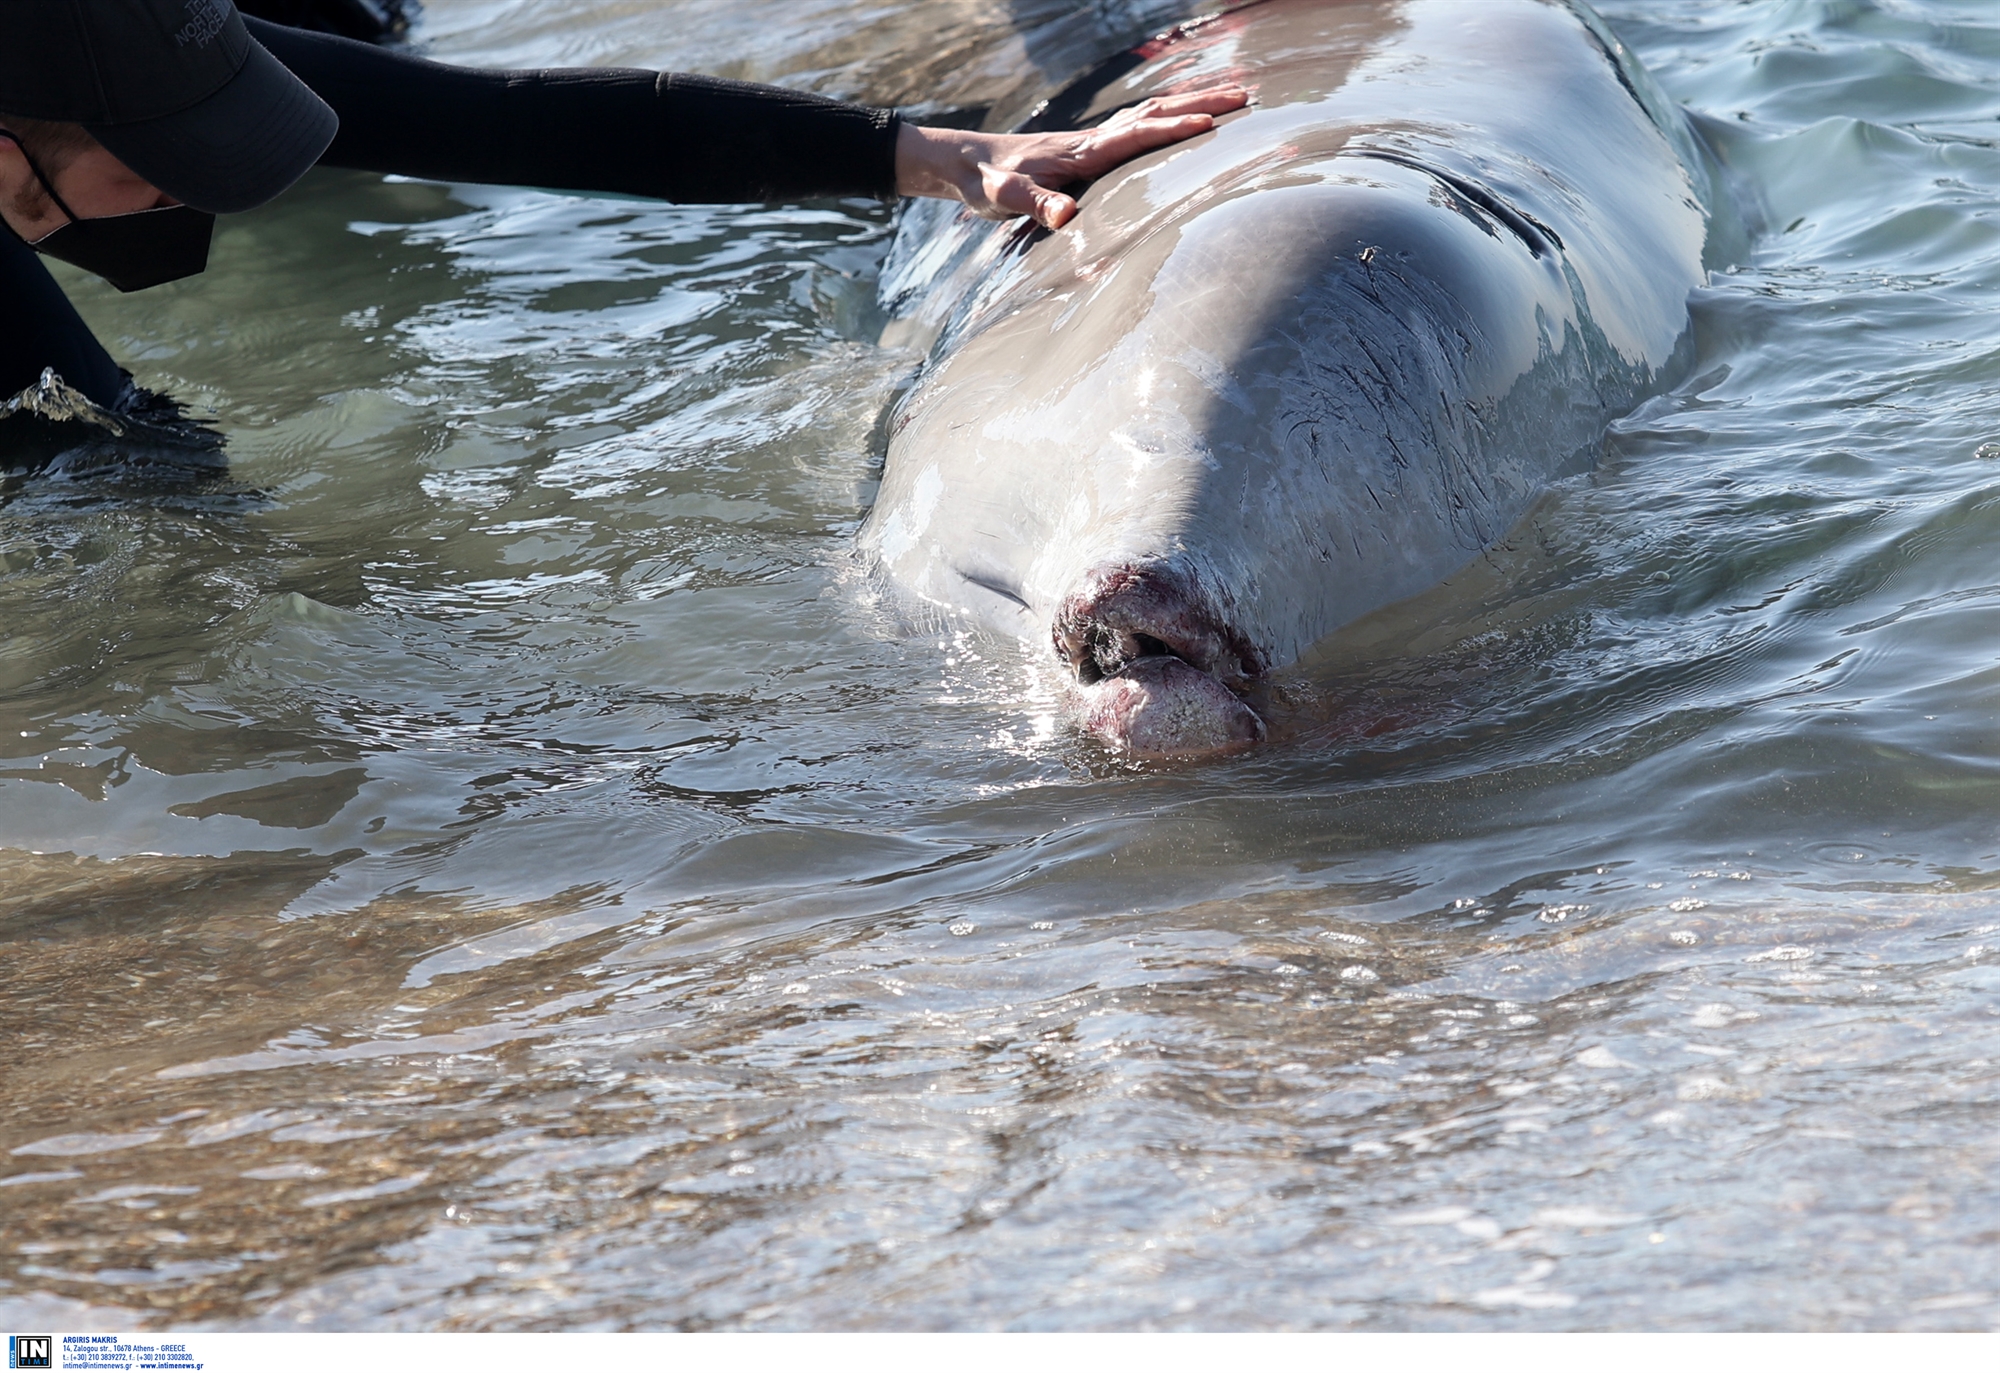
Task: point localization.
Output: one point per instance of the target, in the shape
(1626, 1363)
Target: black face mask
(131, 251)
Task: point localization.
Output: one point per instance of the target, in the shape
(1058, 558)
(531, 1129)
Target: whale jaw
(1154, 665)
(1159, 707)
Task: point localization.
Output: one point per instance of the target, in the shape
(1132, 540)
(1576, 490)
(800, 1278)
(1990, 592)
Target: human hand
(1001, 175)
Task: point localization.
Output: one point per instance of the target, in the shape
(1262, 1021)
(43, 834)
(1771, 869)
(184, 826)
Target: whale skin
(1297, 368)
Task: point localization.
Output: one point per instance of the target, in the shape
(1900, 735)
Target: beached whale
(1298, 368)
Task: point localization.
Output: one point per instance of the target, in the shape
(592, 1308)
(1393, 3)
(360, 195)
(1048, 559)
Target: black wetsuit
(685, 138)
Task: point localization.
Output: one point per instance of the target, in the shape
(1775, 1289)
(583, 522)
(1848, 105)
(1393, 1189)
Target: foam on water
(483, 861)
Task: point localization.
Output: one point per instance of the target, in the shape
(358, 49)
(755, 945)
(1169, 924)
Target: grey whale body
(1296, 369)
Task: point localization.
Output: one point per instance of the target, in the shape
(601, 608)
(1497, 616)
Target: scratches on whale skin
(1539, 239)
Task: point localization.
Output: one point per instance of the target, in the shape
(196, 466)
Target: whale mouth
(1155, 667)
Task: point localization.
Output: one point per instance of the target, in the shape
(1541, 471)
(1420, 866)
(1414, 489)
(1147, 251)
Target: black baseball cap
(178, 91)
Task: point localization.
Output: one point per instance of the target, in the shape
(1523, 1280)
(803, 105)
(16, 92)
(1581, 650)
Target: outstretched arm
(695, 138)
(1002, 175)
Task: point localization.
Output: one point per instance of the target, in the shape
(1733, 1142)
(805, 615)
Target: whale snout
(1155, 665)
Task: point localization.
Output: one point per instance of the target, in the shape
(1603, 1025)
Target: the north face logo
(205, 20)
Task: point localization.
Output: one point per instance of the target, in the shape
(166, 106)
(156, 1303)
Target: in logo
(31, 1351)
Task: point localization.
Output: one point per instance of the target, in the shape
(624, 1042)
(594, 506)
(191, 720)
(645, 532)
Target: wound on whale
(1298, 368)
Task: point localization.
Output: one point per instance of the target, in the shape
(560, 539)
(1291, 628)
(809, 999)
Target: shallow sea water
(484, 861)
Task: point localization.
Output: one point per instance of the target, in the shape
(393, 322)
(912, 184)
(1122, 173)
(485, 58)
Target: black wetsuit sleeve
(674, 137)
(39, 328)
